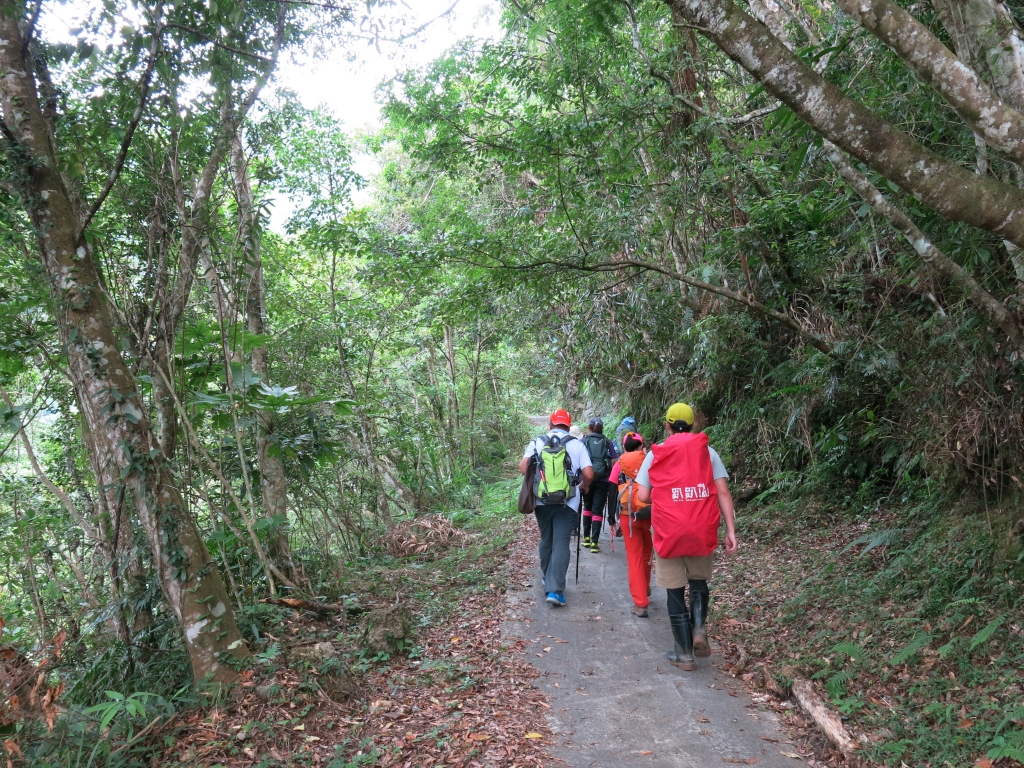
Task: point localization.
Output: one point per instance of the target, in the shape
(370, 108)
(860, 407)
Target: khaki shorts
(674, 572)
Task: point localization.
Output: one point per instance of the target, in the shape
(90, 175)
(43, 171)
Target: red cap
(561, 416)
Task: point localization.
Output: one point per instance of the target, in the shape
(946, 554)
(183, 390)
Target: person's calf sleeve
(676, 601)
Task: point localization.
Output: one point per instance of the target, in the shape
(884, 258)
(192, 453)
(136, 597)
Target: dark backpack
(599, 449)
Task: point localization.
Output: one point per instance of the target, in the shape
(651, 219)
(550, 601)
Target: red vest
(684, 499)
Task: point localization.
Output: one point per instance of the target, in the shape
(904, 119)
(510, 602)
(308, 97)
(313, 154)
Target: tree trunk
(474, 384)
(954, 192)
(194, 242)
(28, 573)
(365, 425)
(453, 398)
(106, 392)
(936, 260)
(986, 37)
(273, 485)
(999, 124)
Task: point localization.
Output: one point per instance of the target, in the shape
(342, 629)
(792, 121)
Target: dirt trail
(615, 700)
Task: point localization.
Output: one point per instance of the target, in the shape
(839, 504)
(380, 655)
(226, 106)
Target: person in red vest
(686, 484)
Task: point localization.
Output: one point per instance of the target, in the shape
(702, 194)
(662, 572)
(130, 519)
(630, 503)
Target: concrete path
(615, 699)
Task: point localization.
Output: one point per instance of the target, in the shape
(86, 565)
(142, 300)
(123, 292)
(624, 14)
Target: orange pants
(639, 545)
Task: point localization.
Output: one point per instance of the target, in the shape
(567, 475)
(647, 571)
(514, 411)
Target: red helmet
(561, 416)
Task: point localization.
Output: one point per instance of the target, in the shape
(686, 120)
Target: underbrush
(909, 617)
(127, 709)
(418, 640)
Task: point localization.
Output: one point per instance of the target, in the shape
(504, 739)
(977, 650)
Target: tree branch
(954, 192)
(999, 124)
(30, 29)
(936, 260)
(815, 341)
(61, 495)
(133, 124)
(218, 44)
(194, 439)
(426, 24)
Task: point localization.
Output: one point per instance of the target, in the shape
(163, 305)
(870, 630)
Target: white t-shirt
(717, 467)
(578, 456)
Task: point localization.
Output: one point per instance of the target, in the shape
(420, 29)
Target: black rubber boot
(682, 656)
(699, 598)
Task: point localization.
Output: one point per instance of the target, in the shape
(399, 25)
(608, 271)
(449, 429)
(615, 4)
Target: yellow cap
(679, 412)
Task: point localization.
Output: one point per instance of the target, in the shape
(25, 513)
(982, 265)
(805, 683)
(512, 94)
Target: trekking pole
(579, 532)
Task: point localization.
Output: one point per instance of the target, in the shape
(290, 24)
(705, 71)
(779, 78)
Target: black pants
(595, 502)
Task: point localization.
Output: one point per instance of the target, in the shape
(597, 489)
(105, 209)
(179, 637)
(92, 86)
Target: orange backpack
(629, 466)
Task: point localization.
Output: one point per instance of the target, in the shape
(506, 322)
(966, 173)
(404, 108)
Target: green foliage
(986, 632)
(109, 734)
(849, 649)
(541, 197)
(920, 641)
(881, 538)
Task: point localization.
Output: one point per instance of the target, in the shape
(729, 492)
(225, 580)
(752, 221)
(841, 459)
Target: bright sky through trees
(346, 81)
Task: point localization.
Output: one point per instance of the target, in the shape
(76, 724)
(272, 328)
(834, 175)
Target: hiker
(685, 481)
(602, 456)
(635, 519)
(628, 424)
(562, 464)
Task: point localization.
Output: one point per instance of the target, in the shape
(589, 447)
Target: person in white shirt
(559, 519)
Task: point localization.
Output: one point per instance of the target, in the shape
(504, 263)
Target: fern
(883, 537)
(836, 685)
(1014, 753)
(850, 649)
(987, 631)
(1013, 715)
(945, 650)
(965, 601)
(920, 641)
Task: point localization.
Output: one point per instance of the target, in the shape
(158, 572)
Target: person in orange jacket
(635, 520)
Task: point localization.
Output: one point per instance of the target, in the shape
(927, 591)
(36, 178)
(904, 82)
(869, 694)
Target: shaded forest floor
(909, 622)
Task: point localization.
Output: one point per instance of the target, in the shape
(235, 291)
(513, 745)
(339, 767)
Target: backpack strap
(545, 441)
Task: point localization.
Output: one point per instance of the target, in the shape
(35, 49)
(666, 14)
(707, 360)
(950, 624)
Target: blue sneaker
(557, 599)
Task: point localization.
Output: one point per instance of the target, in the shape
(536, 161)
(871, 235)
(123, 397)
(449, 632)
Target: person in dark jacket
(602, 456)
